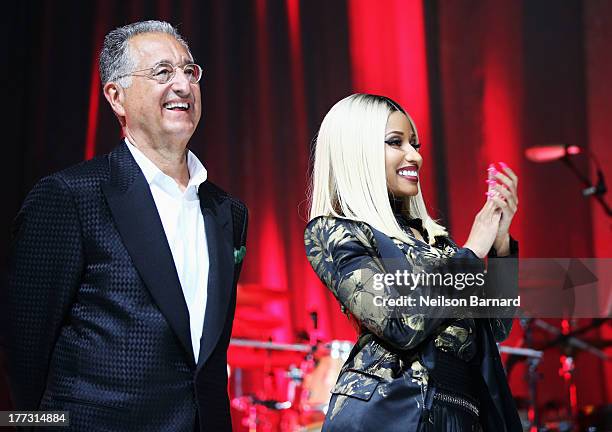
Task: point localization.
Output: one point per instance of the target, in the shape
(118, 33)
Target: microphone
(562, 152)
(599, 189)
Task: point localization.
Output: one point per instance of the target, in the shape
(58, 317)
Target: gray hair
(115, 59)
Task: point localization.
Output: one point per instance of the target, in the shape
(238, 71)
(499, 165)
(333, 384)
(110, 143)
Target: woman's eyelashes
(394, 142)
(397, 142)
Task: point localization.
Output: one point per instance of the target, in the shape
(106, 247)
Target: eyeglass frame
(174, 68)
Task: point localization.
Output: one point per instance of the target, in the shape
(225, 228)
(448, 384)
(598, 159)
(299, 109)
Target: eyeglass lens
(164, 72)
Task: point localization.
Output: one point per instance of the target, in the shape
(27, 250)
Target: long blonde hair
(348, 178)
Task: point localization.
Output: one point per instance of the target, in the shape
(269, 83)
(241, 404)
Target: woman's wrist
(502, 245)
(477, 251)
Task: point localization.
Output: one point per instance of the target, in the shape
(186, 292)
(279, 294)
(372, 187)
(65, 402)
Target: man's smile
(177, 106)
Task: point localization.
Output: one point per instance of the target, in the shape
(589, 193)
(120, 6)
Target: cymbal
(269, 345)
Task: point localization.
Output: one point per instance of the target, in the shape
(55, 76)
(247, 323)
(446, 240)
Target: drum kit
(274, 386)
(299, 401)
(286, 387)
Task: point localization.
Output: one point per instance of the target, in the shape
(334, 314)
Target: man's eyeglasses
(164, 72)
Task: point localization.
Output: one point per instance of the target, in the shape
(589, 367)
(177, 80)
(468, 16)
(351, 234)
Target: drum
(299, 377)
(319, 382)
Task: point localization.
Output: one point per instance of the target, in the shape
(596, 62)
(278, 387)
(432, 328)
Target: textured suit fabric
(393, 373)
(97, 324)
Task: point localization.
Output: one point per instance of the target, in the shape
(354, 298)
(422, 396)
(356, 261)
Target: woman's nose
(412, 155)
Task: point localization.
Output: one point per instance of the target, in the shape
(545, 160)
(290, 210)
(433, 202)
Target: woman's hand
(503, 191)
(484, 229)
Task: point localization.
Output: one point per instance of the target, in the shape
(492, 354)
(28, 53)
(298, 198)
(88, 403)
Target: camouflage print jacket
(385, 384)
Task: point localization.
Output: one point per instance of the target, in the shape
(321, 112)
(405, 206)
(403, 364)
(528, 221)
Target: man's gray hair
(115, 59)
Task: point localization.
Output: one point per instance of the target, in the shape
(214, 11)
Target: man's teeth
(176, 105)
(407, 173)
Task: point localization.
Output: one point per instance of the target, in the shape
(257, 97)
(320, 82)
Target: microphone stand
(596, 191)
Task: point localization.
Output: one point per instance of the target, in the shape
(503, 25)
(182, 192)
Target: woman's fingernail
(503, 164)
(491, 182)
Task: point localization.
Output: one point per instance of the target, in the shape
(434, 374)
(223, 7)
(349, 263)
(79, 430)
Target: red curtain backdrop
(598, 34)
(483, 80)
(388, 57)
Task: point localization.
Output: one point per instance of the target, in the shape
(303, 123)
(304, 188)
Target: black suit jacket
(380, 379)
(97, 321)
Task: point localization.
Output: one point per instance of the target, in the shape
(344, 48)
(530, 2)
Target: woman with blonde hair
(412, 368)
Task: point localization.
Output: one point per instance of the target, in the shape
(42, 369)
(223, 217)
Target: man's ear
(115, 95)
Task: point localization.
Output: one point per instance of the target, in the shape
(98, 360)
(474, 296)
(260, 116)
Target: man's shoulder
(85, 173)
(76, 184)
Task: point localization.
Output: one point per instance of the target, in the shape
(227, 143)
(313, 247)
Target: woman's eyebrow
(395, 131)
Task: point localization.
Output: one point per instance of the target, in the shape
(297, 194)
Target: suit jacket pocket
(356, 384)
(53, 402)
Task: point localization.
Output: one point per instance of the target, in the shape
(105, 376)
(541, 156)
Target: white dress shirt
(183, 224)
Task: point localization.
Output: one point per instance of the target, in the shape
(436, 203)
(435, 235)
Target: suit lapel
(137, 219)
(217, 220)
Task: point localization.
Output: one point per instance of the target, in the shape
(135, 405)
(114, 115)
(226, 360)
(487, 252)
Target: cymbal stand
(533, 376)
(566, 371)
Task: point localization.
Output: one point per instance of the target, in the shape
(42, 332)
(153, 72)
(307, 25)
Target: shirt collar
(197, 172)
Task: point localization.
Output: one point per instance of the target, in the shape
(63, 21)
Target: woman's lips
(409, 173)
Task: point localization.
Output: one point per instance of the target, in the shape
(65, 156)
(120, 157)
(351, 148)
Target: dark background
(483, 79)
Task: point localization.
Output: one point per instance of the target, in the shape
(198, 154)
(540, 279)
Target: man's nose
(180, 83)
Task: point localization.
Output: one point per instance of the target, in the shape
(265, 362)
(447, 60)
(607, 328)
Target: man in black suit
(123, 272)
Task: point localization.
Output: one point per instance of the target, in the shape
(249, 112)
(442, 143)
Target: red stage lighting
(551, 152)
